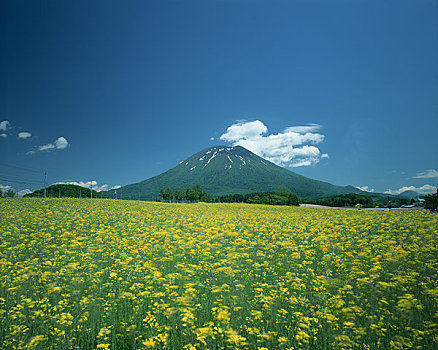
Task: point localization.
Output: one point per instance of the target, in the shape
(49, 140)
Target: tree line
(191, 194)
(281, 196)
(342, 200)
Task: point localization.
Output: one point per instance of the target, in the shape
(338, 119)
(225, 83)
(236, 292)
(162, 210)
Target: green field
(107, 274)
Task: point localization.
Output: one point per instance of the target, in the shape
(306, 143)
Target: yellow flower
(149, 343)
(36, 340)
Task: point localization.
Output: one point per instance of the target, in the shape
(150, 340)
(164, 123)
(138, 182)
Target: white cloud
(24, 192)
(211, 138)
(425, 189)
(24, 135)
(4, 187)
(304, 128)
(59, 143)
(293, 147)
(428, 174)
(4, 125)
(115, 187)
(365, 188)
(4, 135)
(86, 184)
(101, 188)
(244, 131)
(47, 147)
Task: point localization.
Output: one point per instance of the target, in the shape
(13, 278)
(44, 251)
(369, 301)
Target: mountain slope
(227, 170)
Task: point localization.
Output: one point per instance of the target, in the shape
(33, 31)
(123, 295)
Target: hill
(61, 190)
(411, 194)
(222, 170)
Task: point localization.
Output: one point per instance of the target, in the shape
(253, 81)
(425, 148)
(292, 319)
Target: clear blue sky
(134, 87)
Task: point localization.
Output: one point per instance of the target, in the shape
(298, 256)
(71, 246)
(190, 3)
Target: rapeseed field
(107, 274)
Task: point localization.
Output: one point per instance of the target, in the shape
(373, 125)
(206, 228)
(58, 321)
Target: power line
(12, 178)
(27, 168)
(19, 178)
(20, 182)
(19, 168)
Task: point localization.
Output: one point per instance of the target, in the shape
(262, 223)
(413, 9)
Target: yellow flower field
(107, 274)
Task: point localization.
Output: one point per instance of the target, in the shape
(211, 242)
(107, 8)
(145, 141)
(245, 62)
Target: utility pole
(91, 191)
(45, 176)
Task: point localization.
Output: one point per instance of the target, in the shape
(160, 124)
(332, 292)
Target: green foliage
(61, 190)
(180, 195)
(166, 194)
(431, 201)
(343, 200)
(394, 201)
(191, 194)
(282, 196)
(9, 193)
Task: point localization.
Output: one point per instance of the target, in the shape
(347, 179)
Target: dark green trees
(63, 190)
(191, 194)
(166, 194)
(343, 200)
(431, 201)
(282, 196)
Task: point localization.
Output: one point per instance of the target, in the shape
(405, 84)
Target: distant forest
(343, 200)
(61, 190)
(281, 196)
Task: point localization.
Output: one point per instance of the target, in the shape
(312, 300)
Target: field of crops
(107, 274)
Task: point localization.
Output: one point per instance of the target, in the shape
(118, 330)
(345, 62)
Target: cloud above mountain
(88, 184)
(365, 188)
(425, 189)
(293, 147)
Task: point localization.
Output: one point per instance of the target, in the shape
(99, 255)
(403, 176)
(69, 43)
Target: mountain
(224, 170)
(411, 194)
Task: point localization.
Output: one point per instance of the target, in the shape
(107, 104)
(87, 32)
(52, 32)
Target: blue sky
(116, 92)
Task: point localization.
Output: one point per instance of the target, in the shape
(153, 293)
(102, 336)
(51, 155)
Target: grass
(107, 274)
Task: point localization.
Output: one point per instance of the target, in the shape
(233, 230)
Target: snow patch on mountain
(214, 155)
